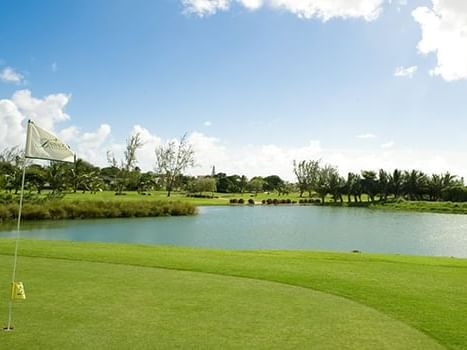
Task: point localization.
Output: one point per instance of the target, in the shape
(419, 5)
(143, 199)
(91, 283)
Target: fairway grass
(98, 296)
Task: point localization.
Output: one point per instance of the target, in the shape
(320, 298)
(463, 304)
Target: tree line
(171, 162)
(324, 180)
(313, 178)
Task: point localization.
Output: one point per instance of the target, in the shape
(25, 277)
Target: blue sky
(242, 80)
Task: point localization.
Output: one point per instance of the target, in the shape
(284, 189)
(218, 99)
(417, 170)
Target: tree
(36, 177)
(203, 184)
(415, 184)
(127, 165)
(307, 173)
(353, 187)
(172, 160)
(273, 183)
(11, 164)
(256, 185)
(328, 182)
(242, 185)
(396, 181)
(147, 182)
(56, 176)
(336, 184)
(369, 184)
(80, 174)
(383, 184)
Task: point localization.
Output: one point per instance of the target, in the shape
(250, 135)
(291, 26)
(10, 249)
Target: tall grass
(95, 209)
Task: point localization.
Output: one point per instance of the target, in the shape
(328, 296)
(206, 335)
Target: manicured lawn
(220, 198)
(223, 199)
(90, 295)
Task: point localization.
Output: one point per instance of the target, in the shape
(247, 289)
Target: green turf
(369, 301)
(88, 305)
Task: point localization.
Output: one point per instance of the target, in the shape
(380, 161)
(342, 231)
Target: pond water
(268, 227)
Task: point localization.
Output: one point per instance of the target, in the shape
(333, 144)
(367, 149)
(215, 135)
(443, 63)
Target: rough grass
(424, 206)
(74, 302)
(96, 209)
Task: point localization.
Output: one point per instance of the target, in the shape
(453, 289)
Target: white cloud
(252, 4)
(89, 146)
(207, 123)
(54, 67)
(22, 106)
(250, 160)
(9, 75)
(321, 9)
(366, 136)
(405, 72)
(444, 33)
(205, 7)
(146, 155)
(325, 9)
(46, 112)
(12, 131)
(388, 144)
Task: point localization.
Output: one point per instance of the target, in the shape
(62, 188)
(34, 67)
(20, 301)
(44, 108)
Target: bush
(251, 201)
(269, 201)
(233, 201)
(96, 209)
(455, 194)
(241, 201)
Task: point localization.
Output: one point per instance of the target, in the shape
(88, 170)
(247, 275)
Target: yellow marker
(17, 291)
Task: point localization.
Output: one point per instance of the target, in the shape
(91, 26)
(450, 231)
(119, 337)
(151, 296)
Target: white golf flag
(42, 144)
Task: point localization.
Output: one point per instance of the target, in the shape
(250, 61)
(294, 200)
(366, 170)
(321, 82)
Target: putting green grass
(107, 296)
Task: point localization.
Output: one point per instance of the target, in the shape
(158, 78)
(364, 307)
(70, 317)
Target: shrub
(241, 201)
(97, 209)
(233, 201)
(455, 194)
(251, 201)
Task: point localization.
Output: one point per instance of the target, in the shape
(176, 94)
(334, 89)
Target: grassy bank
(60, 209)
(423, 206)
(130, 198)
(83, 295)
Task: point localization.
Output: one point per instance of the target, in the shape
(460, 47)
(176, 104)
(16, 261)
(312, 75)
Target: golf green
(91, 305)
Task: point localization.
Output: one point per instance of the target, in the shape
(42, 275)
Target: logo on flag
(17, 291)
(41, 144)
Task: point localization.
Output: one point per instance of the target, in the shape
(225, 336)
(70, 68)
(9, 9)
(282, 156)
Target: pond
(269, 227)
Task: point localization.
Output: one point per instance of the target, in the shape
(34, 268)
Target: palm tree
(336, 185)
(415, 184)
(396, 181)
(369, 184)
(353, 187)
(383, 184)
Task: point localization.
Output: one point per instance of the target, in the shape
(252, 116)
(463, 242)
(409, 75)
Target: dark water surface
(282, 227)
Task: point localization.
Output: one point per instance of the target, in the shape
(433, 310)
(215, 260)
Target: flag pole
(18, 228)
